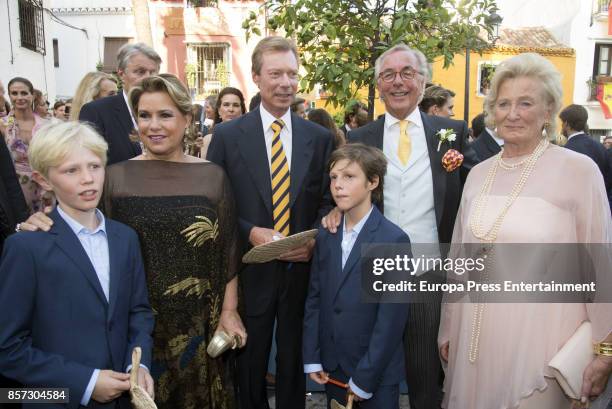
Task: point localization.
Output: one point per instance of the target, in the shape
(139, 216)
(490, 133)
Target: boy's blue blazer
(364, 339)
(56, 325)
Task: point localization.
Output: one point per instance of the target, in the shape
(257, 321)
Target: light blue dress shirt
(95, 244)
(348, 241)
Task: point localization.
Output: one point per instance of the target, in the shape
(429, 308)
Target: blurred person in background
(93, 86)
(255, 101)
(210, 104)
(59, 110)
(5, 107)
(230, 105)
(298, 107)
(355, 116)
(323, 118)
(438, 101)
(40, 104)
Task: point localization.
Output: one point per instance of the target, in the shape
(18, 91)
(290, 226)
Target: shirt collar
(359, 225)
(496, 138)
(348, 128)
(77, 227)
(574, 134)
(127, 103)
(267, 118)
(414, 117)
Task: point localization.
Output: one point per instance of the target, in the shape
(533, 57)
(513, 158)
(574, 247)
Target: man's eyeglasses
(406, 74)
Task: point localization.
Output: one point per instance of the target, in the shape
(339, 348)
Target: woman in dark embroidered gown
(192, 286)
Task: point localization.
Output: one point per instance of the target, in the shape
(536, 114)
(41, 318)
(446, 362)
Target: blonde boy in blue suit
(77, 294)
(351, 341)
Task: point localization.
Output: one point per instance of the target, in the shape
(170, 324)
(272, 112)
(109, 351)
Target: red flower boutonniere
(451, 160)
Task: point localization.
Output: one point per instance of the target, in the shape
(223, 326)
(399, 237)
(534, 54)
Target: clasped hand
(302, 254)
(110, 384)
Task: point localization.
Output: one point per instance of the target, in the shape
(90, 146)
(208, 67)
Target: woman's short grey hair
(129, 50)
(533, 66)
(419, 56)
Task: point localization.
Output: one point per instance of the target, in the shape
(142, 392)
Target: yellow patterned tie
(404, 147)
(280, 181)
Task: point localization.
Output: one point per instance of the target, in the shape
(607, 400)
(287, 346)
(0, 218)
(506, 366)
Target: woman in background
(438, 101)
(40, 104)
(94, 85)
(323, 118)
(230, 105)
(19, 127)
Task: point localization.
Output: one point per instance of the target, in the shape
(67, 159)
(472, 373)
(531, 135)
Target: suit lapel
(69, 243)
(438, 173)
(252, 148)
(376, 133)
(124, 118)
(364, 236)
(301, 155)
(115, 250)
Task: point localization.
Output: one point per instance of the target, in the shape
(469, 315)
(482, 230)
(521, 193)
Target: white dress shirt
(125, 98)
(408, 189)
(95, 244)
(574, 134)
(267, 119)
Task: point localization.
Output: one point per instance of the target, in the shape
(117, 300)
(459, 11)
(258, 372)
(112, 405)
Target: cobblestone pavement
(317, 401)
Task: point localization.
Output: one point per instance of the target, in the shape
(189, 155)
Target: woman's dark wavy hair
(228, 91)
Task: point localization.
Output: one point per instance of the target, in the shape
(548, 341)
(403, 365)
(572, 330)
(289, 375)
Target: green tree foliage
(340, 40)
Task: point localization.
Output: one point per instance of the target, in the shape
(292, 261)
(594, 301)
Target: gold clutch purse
(221, 342)
(569, 363)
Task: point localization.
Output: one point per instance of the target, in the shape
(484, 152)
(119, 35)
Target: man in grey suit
(420, 196)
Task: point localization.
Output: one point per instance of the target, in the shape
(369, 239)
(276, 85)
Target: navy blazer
(447, 186)
(364, 339)
(582, 143)
(111, 118)
(239, 147)
(57, 326)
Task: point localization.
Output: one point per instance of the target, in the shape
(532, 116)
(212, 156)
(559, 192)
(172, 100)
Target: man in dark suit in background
(420, 196)
(574, 127)
(112, 116)
(276, 163)
(484, 145)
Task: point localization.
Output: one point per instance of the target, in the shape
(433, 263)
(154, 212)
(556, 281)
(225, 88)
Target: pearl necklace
(490, 235)
(476, 223)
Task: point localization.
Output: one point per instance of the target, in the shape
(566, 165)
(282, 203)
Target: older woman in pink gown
(497, 355)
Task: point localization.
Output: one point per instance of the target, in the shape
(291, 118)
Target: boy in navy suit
(74, 298)
(348, 340)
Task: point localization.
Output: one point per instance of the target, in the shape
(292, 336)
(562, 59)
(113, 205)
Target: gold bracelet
(603, 348)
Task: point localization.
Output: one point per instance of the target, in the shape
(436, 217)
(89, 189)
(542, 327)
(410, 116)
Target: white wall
(80, 53)
(16, 61)
(571, 23)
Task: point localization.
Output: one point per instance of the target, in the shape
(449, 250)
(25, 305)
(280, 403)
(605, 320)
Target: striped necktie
(404, 147)
(280, 181)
